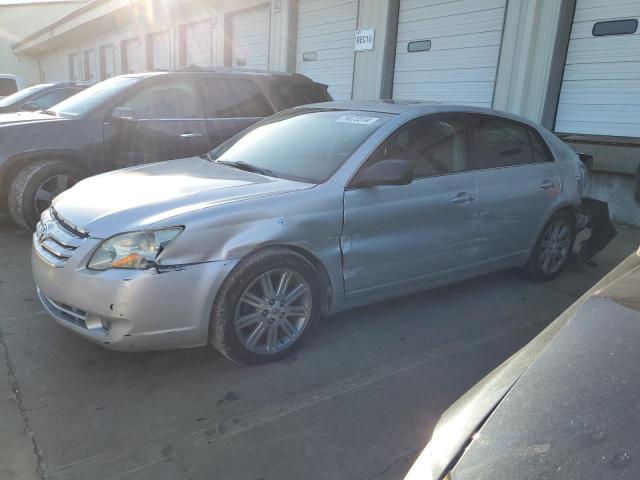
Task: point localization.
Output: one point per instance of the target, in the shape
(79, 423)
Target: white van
(10, 84)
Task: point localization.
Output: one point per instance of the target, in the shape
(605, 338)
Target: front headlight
(133, 250)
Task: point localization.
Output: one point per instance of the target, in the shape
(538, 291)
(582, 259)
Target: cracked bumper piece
(131, 310)
(595, 217)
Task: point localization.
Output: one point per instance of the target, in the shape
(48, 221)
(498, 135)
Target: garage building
(573, 65)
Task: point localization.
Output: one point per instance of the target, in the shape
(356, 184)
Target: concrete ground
(359, 401)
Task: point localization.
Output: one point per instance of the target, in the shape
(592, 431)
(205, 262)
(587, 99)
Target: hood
(140, 197)
(560, 401)
(27, 117)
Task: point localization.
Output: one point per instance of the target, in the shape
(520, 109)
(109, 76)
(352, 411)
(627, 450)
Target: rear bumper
(595, 218)
(132, 310)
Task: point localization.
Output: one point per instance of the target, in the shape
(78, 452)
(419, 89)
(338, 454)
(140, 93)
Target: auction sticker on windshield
(356, 119)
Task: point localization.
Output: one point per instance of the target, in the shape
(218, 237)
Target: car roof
(222, 71)
(418, 107)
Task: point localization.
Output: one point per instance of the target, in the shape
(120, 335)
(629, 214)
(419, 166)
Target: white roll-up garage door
(326, 41)
(74, 66)
(250, 38)
(198, 44)
(448, 50)
(131, 62)
(600, 92)
(160, 49)
(91, 65)
(107, 62)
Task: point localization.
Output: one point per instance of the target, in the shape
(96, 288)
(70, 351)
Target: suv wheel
(35, 186)
(267, 307)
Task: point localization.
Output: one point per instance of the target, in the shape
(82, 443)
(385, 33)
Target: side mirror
(123, 114)
(385, 172)
(587, 160)
(30, 107)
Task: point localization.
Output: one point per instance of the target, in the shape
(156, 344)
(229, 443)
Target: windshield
(307, 145)
(22, 94)
(83, 102)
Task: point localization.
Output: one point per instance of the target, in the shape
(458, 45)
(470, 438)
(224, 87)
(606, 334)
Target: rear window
(234, 98)
(8, 86)
(292, 94)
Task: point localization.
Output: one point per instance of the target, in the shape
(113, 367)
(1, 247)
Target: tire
(233, 341)
(24, 207)
(542, 267)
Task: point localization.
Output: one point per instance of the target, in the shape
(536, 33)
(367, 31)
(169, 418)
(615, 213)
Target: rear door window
(292, 94)
(7, 87)
(234, 98)
(539, 149)
(499, 143)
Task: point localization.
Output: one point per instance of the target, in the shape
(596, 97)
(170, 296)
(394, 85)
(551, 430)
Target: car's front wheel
(267, 307)
(553, 248)
(33, 188)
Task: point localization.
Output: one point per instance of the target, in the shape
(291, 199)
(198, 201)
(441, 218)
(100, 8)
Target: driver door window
(167, 100)
(167, 124)
(434, 145)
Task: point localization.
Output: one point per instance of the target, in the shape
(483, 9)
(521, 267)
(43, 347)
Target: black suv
(41, 96)
(134, 119)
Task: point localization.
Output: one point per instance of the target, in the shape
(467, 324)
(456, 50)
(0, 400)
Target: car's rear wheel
(267, 307)
(35, 186)
(553, 248)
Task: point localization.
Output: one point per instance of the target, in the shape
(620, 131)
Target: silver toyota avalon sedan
(314, 210)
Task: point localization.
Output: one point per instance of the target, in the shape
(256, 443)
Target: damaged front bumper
(595, 229)
(131, 310)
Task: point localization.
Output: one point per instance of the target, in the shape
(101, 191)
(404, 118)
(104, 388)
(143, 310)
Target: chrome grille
(70, 314)
(54, 241)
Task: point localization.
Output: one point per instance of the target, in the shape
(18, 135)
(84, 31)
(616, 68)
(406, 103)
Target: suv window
(174, 98)
(49, 99)
(7, 86)
(436, 145)
(499, 143)
(234, 98)
(294, 94)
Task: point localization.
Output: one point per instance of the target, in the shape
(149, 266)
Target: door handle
(462, 197)
(547, 184)
(190, 135)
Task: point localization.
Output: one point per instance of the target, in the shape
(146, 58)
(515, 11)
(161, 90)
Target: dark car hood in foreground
(27, 117)
(566, 406)
(140, 197)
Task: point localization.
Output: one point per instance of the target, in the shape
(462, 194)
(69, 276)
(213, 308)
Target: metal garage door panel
(198, 40)
(107, 62)
(91, 66)
(600, 92)
(461, 65)
(132, 62)
(326, 36)
(161, 50)
(250, 38)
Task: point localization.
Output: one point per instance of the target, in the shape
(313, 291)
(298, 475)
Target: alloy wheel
(49, 189)
(555, 246)
(273, 311)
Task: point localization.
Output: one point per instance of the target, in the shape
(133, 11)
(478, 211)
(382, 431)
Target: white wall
(18, 21)
(55, 63)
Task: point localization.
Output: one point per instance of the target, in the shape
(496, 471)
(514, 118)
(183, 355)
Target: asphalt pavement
(359, 401)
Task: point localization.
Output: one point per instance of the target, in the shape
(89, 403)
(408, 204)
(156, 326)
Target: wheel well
(325, 279)
(17, 164)
(570, 209)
